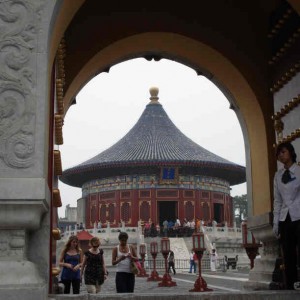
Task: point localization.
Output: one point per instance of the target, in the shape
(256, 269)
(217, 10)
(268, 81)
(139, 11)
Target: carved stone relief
(12, 244)
(17, 83)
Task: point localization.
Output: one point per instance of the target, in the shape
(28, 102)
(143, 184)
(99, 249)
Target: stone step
(257, 295)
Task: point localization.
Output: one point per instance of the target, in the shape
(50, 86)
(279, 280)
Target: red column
(153, 208)
(87, 212)
(117, 208)
(198, 207)
(135, 207)
(181, 215)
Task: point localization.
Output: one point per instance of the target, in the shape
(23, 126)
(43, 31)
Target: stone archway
(257, 133)
(247, 97)
(26, 191)
(218, 69)
(250, 100)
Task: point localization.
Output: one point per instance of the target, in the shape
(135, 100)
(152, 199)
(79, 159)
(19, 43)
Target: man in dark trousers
(171, 262)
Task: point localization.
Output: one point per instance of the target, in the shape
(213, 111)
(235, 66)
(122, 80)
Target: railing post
(226, 229)
(224, 265)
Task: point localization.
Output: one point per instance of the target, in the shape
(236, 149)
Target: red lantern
(165, 249)
(248, 237)
(249, 243)
(198, 241)
(165, 245)
(142, 249)
(142, 272)
(153, 248)
(199, 247)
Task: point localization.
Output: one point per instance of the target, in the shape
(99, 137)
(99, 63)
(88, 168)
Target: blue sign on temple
(168, 173)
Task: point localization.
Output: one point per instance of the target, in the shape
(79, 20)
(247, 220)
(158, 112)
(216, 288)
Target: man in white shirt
(286, 212)
(193, 224)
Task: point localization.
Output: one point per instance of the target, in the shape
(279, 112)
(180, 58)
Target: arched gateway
(155, 173)
(49, 49)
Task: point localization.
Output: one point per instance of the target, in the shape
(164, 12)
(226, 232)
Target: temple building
(155, 173)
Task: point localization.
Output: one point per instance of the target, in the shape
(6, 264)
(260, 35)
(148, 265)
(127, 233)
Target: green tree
(240, 208)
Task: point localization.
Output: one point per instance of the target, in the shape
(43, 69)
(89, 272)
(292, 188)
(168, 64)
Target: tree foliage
(240, 208)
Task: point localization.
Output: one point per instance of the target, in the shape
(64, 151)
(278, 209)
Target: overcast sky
(110, 105)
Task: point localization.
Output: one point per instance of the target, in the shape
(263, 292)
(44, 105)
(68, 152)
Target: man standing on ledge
(286, 222)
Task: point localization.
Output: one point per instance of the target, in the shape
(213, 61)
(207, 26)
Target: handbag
(135, 267)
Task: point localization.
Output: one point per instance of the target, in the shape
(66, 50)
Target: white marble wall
(24, 111)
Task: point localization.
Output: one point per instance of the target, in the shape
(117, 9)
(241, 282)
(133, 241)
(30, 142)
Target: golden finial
(154, 92)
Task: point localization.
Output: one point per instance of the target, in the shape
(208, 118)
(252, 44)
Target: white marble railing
(106, 235)
(110, 235)
(214, 232)
(219, 232)
(208, 244)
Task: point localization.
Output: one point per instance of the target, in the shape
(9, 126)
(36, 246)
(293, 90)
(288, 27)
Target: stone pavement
(144, 286)
(145, 290)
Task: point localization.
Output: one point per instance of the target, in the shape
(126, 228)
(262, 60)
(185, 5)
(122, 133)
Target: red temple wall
(131, 205)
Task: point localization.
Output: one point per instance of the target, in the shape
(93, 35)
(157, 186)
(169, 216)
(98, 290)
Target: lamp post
(165, 249)
(154, 250)
(199, 247)
(143, 272)
(249, 243)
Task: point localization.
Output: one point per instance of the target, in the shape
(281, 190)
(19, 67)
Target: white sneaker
(297, 286)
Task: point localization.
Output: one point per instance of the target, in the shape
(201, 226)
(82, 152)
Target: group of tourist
(91, 266)
(213, 258)
(193, 261)
(169, 228)
(151, 229)
(176, 227)
(286, 227)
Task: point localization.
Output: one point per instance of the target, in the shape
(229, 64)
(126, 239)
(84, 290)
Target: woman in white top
(122, 256)
(286, 212)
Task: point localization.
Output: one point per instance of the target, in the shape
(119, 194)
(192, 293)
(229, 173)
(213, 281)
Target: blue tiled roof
(154, 140)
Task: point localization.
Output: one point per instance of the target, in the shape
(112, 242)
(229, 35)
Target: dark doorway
(218, 212)
(167, 210)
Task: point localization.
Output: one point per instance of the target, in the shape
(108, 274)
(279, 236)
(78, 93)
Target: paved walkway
(149, 289)
(144, 286)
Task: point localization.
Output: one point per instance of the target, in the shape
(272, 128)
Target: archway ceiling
(228, 38)
(237, 29)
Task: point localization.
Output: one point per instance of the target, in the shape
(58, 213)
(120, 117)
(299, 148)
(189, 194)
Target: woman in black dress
(93, 267)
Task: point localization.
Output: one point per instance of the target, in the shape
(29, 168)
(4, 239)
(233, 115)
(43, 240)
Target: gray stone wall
(24, 115)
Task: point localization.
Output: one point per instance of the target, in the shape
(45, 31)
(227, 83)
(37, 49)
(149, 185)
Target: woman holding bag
(122, 255)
